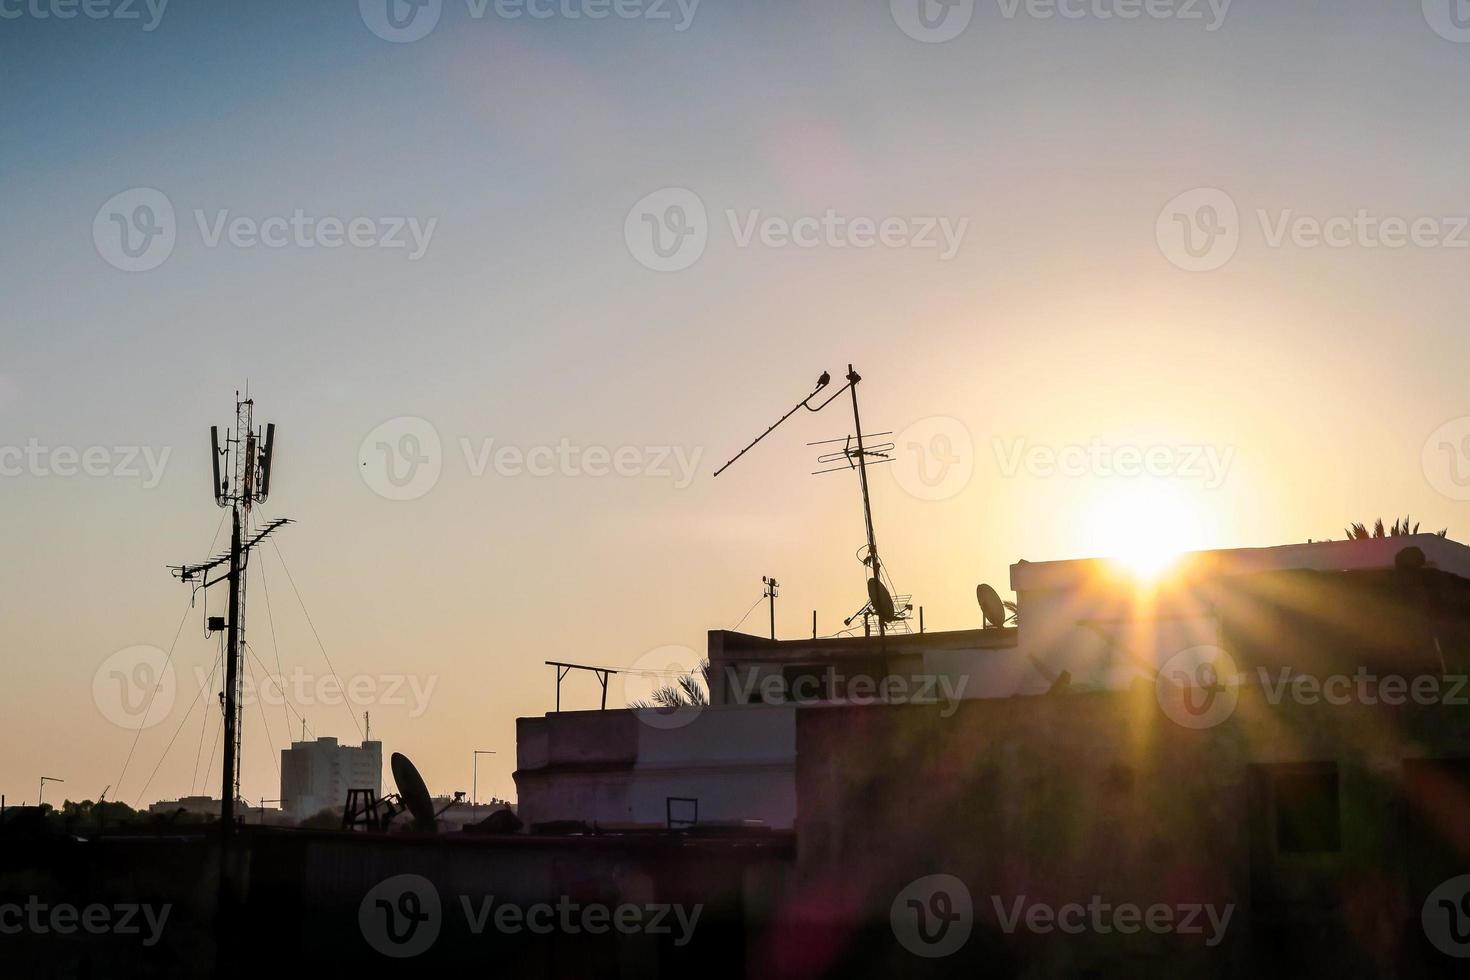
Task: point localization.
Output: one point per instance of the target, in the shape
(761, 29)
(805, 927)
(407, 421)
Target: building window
(1305, 808)
(805, 682)
(859, 681)
(743, 679)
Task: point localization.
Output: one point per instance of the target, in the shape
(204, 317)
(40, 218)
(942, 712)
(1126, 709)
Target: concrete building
(455, 815)
(732, 766)
(1085, 625)
(316, 776)
(208, 806)
(194, 806)
(1258, 764)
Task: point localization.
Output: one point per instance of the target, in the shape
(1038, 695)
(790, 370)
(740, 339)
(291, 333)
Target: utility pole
(248, 482)
(772, 590)
(230, 779)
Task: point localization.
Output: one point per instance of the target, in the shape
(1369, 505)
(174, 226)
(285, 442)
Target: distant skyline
(1186, 281)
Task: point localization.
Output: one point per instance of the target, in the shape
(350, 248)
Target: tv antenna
(246, 457)
(854, 454)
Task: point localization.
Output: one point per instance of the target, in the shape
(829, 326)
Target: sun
(1144, 526)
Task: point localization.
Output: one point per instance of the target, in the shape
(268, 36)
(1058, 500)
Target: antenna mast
(862, 460)
(880, 604)
(248, 455)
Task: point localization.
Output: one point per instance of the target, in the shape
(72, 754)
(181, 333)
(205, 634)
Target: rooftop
(1327, 556)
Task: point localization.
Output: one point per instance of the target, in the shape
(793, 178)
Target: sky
(512, 287)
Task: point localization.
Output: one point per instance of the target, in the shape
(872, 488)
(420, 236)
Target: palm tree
(1359, 532)
(688, 690)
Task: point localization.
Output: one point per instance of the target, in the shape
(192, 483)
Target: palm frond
(1399, 529)
(688, 690)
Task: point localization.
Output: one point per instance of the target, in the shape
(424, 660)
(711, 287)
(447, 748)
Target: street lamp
(42, 791)
(475, 780)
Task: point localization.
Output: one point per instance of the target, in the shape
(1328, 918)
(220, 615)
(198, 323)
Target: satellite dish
(991, 607)
(413, 791)
(1410, 557)
(881, 601)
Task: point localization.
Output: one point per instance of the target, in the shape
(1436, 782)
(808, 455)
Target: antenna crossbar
(854, 455)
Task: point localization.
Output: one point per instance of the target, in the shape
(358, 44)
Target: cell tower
(245, 460)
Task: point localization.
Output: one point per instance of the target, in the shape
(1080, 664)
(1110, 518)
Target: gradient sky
(1061, 320)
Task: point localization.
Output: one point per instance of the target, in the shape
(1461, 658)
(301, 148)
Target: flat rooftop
(758, 647)
(1326, 556)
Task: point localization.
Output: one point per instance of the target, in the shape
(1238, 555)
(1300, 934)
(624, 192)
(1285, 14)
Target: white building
(1086, 624)
(317, 775)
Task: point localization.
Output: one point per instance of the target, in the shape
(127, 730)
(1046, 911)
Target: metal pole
(853, 378)
(232, 651)
(475, 779)
(42, 792)
(771, 586)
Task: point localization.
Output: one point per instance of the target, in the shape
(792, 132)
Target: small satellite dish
(991, 607)
(413, 791)
(881, 601)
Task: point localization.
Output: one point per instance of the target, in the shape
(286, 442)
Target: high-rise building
(317, 775)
